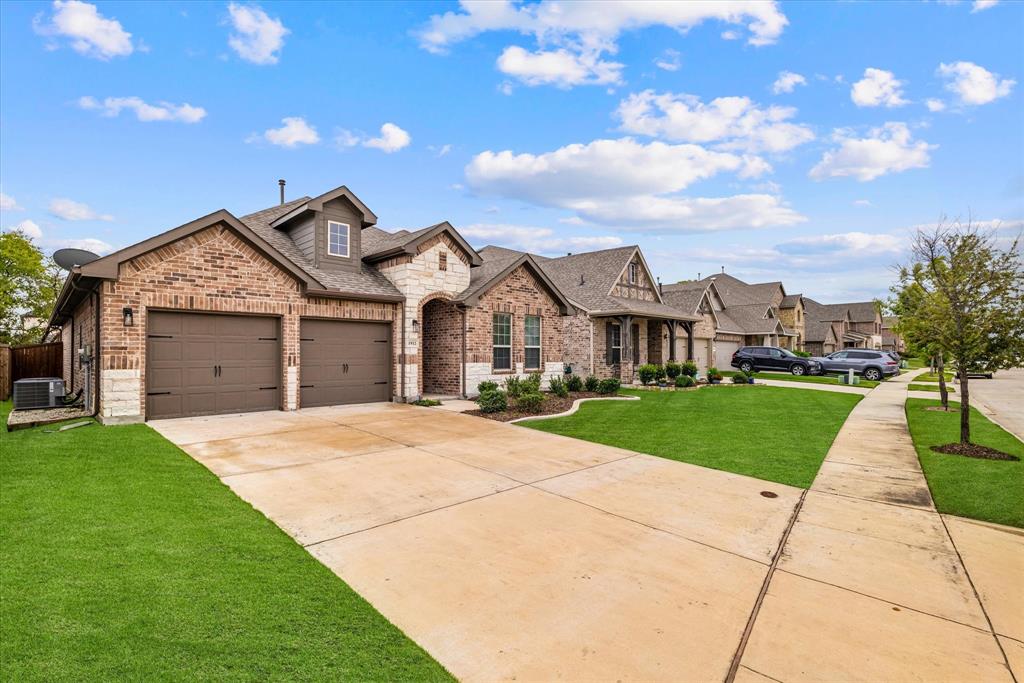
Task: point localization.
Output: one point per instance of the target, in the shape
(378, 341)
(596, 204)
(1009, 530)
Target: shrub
(802, 354)
(530, 401)
(659, 373)
(648, 373)
(739, 378)
(713, 373)
(673, 369)
(591, 383)
(574, 383)
(684, 381)
(689, 368)
(486, 386)
(532, 382)
(609, 386)
(558, 387)
(493, 401)
(514, 386)
(427, 402)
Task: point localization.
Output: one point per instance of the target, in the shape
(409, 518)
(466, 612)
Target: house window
(442, 261)
(632, 273)
(337, 239)
(531, 342)
(616, 344)
(502, 341)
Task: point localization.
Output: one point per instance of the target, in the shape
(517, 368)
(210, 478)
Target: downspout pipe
(464, 395)
(96, 353)
(402, 358)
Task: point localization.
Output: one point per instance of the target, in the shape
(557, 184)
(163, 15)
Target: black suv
(750, 358)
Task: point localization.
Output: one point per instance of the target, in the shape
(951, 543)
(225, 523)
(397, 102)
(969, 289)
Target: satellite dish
(69, 258)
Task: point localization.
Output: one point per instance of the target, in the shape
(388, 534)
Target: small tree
(974, 308)
(29, 284)
(916, 310)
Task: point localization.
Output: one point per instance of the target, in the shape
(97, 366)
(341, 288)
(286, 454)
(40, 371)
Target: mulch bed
(551, 406)
(972, 450)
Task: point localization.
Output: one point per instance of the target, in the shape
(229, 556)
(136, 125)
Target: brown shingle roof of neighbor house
(862, 311)
(736, 292)
(752, 319)
(790, 300)
(817, 330)
(686, 300)
(825, 312)
(367, 281)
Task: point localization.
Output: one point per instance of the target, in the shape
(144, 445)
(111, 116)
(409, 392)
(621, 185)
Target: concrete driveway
(509, 553)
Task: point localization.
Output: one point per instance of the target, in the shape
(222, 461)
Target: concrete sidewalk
(870, 585)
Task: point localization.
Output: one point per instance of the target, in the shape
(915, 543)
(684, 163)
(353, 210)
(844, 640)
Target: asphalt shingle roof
(367, 280)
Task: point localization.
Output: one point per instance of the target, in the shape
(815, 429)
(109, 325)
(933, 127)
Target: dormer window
(632, 273)
(337, 239)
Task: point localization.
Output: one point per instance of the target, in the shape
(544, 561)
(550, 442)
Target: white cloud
(982, 5)
(534, 239)
(293, 133)
(391, 139)
(257, 37)
(572, 220)
(71, 210)
(862, 202)
(878, 88)
(7, 203)
(732, 122)
(439, 151)
(626, 183)
(572, 37)
(934, 104)
(164, 111)
(560, 67)
(973, 84)
(29, 228)
(506, 88)
(669, 60)
(787, 81)
(888, 149)
(89, 32)
(847, 243)
(730, 35)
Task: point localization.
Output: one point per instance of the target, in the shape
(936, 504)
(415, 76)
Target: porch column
(672, 325)
(626, 348)
(689, 339)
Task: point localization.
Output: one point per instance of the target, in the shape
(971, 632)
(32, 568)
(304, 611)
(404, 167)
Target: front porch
(650, 339)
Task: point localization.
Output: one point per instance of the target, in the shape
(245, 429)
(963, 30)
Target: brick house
(854, 325)
(309, 303)
(891, 339)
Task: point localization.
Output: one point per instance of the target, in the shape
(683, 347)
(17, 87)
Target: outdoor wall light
(129, 319)
(415, 323)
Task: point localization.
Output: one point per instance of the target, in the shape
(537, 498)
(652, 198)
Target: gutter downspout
(401, 356)
(592, 346)
(96, 353)
(463, 352)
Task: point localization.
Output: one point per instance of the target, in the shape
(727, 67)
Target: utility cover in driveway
(344, 362)
(205, 364)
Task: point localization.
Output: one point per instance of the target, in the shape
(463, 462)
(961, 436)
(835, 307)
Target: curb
(574, 408)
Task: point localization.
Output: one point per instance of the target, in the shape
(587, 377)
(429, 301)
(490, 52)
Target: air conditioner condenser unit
(38, 392)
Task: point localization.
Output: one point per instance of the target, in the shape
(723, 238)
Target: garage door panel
(205, 364)
(344, 362)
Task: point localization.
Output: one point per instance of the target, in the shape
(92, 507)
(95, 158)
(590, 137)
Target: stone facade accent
(420, 279)
(793, 320)
(519, 294)
(213, 271)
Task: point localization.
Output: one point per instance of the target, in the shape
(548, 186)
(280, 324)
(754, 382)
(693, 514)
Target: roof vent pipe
(723, 269)
(281, 183)
(660, 290)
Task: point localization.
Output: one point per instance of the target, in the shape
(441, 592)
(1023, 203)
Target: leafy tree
(29, 284)
(916, 310)
(973, 308)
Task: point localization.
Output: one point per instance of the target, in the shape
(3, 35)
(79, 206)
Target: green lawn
(814, 379)
(934, 377)
(991, 490)
(771, 433)
(930, 387)
(124, 559)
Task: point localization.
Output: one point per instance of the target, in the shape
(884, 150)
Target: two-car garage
(209, 364)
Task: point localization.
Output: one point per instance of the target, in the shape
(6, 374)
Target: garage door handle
(306, 386)
(266, 339)
(160, 336)
(384, 382)
(306, 339)
(380, 341)
(158, 393)
(265, 388)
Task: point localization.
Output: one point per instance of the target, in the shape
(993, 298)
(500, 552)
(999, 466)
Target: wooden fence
(32, 360)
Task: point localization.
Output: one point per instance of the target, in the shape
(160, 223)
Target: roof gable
(317, 204)
(382, 245)
(492, 272)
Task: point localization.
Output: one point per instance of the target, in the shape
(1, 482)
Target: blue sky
(792, 141)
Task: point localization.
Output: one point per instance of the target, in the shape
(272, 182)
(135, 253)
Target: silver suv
(872, 365)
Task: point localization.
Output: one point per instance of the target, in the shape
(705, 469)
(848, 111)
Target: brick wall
(519, 294)
(578, 338)
(215, 271)
(441, 337)
(77, 333)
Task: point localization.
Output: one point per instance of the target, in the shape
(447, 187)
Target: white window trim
(539, 345)
(348, 239)
(511, 363)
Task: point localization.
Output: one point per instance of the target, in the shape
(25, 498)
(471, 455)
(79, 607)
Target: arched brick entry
(440, 348)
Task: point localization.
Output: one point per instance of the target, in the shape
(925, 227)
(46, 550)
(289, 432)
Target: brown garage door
(344, 362)
(205, 364)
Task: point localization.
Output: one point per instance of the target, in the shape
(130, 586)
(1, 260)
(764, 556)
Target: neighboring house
(308, 303)
(855, 325)
(620, 319)
(891, 340)
(743, 314)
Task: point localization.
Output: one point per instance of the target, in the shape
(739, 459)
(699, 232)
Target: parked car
(869, 364)
(751, 358)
